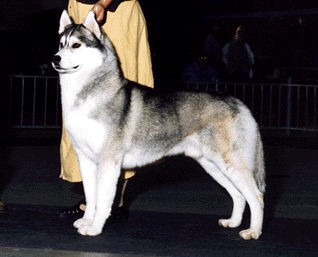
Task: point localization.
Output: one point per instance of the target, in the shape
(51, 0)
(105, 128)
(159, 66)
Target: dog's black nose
(56, 59)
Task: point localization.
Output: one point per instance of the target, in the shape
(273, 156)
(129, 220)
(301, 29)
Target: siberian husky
(114, 123)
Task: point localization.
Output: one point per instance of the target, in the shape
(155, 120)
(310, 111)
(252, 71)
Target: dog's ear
(64, 21)
(91, 24)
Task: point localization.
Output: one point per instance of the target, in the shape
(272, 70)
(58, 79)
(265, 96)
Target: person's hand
(99, 9)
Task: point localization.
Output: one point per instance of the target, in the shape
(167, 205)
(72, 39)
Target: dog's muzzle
(56, 65)
(56, 60)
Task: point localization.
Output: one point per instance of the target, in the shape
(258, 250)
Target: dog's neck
(78, 88)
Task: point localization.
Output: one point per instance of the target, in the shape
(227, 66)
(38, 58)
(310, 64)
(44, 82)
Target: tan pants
(126, 28)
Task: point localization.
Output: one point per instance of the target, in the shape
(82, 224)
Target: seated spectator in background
(201, 70)
(238, 57)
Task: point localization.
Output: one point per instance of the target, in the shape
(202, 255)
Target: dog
(114, 123)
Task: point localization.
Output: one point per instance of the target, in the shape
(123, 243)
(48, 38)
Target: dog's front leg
(107, 179)
(89, 175)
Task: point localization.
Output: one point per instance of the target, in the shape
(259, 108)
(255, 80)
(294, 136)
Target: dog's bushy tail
(253, 146)
(259, 167)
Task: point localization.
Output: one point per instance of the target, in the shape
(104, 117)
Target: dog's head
(81, 46)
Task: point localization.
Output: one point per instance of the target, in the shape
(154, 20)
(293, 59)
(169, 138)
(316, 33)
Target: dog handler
(126, 28)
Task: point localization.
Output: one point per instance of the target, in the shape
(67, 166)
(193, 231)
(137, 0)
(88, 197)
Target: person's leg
(121, 201)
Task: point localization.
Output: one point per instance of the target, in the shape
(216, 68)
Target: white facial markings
(62, 42)
(67, 39)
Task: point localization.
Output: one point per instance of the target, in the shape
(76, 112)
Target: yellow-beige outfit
(126, 28)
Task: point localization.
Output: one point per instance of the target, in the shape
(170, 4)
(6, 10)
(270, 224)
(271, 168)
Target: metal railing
(34, 102)
(30, 102)
(290, 107)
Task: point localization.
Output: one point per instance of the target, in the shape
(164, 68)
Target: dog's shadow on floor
(172, 170)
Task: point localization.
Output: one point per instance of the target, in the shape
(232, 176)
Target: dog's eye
(76, 45)
(61, 45)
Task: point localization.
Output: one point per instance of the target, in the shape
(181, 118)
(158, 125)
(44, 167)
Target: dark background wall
(177, 29)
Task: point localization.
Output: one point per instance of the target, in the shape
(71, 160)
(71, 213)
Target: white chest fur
(86, 133)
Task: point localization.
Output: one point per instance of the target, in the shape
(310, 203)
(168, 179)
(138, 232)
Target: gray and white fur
(114, 123)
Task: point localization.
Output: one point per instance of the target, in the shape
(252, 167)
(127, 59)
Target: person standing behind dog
(126, 28)
(238, 57)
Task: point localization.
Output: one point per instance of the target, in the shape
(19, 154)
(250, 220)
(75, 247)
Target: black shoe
(74, 212)
(118, 215)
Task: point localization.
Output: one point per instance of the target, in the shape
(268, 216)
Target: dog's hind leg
(238, 199)
(247, 185)
(243, 179)
(88, 172)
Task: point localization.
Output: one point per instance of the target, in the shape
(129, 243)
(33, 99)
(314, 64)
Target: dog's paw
(229, 223)
(82, 222)
(250, 233)
(89, 230)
